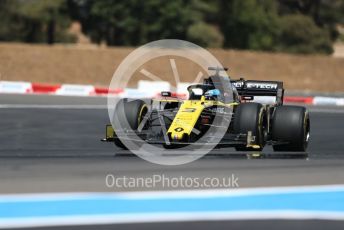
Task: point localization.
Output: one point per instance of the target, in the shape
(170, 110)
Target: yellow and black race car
(218, 111)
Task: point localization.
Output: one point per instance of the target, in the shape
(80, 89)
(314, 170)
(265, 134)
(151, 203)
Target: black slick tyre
(250, 117)
(129, 114)
(291, 125)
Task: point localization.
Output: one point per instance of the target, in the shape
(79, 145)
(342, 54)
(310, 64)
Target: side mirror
(166, 94)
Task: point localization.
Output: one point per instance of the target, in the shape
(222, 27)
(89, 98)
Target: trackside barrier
(303, 100)
(76, 90)
(44, 88)
(265, 99)
(146, 89)
(56, 89)
(105, 91)
(152, 88)
(15, 87)
(136, 93)
(328, 101)
(182, 87)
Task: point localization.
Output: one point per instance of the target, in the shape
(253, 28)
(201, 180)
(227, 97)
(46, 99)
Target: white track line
(33, 106)
(200, 193)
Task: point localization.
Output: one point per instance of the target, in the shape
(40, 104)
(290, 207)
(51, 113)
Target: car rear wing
(260, 89)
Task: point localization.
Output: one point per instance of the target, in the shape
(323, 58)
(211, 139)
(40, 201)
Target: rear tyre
(129, 114)
(250, 117)
(291, 124)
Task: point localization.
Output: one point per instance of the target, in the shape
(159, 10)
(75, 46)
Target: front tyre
(250, 117)
(290, 125)
(129, 114)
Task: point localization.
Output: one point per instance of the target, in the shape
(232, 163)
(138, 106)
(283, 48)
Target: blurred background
(293, 26)
(83, 41)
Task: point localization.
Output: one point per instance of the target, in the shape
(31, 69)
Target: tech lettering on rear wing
(260, 88)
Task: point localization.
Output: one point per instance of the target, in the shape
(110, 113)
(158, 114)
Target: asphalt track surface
(52, 144)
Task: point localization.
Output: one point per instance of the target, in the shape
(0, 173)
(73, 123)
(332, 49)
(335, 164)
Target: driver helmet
(212, 93)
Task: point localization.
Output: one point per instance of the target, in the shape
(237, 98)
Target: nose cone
(185, 120)
(177, 134)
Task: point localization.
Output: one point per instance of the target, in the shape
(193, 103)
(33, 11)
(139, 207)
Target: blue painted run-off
(109, 204)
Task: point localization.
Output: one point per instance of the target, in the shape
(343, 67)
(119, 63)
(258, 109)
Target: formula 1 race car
(220, 111)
